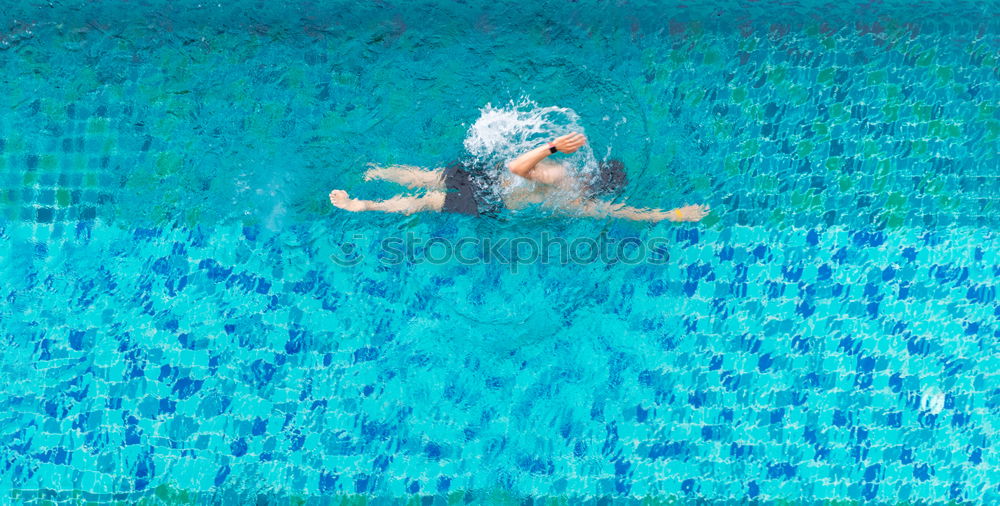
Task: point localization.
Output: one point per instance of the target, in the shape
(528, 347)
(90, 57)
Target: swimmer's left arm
(601, 209)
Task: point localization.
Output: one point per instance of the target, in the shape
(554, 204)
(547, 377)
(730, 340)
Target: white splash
(932, 400)
(503, 133)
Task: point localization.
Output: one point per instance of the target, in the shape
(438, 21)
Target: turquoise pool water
(186, 319)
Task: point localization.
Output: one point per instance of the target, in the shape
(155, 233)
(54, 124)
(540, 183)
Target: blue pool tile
(822, 336)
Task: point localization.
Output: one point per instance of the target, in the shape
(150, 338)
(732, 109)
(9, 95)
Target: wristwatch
(552, 148)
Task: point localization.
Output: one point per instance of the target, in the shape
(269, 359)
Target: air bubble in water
(932, 400)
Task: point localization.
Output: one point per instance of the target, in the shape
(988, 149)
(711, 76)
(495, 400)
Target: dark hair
(609, 178)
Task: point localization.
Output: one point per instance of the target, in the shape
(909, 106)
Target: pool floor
(179, 327)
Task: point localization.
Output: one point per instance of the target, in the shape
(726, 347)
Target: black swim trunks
(469, 189)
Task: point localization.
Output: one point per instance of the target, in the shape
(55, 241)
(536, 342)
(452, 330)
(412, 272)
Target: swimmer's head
(609, 179)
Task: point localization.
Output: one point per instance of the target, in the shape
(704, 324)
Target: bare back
(550, 184)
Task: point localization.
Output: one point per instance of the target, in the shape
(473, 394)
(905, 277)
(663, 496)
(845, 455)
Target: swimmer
(460, 188)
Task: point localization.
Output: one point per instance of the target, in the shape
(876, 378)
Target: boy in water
(548, 183)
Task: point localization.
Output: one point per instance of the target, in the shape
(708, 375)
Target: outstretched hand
(570, 143)
(694, 212)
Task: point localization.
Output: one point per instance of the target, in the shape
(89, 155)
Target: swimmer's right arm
(525, 164)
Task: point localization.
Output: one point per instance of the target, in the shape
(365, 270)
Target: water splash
(503, 133)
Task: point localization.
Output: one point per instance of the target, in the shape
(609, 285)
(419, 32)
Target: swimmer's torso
(558, 186)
